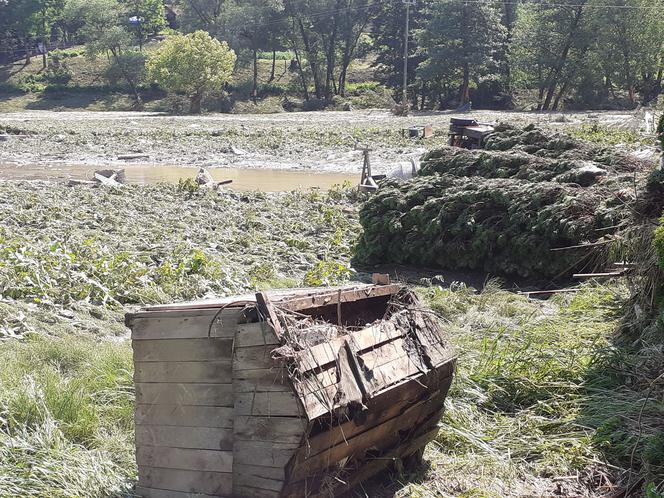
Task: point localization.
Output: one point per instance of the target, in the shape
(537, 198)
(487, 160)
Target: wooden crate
(229, 402)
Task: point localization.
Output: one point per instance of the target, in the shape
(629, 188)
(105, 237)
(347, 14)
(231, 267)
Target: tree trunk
(554, 75)
(465, 85)
(274, 64)
(195, 103)
(303, 78)
(27, 54)
(311, 57)
(254, 90)
(331, 56)
(560, 95)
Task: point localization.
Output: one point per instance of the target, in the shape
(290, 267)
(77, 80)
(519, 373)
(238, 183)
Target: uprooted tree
(194, 64)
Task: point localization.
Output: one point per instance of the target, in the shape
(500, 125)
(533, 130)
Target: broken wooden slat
(544, 292)
(324, 299)
(323, 354)
(377, 437)
(267, 311)
(582, 246)
(343, 432)
(187, 481)
(186, 416)
(601, 275)
(311, 488)
(182, 349)
(184, 394)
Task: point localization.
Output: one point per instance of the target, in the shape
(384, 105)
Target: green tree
(552, 43)
(106, 33)
(256, 24)
(195, 64)
(388, 34)
(150, 16)
(462, 41)
(629, 43)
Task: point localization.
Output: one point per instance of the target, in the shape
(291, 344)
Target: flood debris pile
(503, 211)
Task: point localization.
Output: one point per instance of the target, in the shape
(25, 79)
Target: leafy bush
(327, 273)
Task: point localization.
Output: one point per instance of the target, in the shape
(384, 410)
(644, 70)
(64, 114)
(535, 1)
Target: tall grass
(534, 398)
(66, 418)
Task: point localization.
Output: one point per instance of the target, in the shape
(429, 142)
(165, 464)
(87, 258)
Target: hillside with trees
(571, 54)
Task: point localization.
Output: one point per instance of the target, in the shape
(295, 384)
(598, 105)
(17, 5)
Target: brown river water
(265, 180)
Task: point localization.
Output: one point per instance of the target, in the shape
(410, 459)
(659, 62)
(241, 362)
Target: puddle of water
(265, 180)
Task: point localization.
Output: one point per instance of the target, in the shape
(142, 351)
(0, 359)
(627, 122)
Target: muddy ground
(313, 141)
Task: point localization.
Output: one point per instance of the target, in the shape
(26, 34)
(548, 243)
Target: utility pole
(404, 97)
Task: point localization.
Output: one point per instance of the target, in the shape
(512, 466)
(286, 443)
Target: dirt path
(313, 141)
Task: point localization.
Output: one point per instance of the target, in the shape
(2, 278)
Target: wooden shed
(292, 393)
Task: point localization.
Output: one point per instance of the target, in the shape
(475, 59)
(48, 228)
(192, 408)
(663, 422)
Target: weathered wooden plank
(380, 436)
(184, 459)
(267, 404)
(325, 353)
(165, 493)
(261, 380)
(184, 394)
(203, 438)
(185, 416)
(319, 298)
(250, 492)
(263, 453)
(182, 349)
(177, 326)
(381, 410)
(256, 481)
(187, 481)
(275, 473)
(255, 334)
(276, 429)
(391, 373)
(311, 487)
(253, 358)
(184, 371)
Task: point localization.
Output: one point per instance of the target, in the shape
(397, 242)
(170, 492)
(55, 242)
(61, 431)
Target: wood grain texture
(212, 349)
(165, 493)
(276, 429)
(219, 372)
(185, 416)
(184, 459)
(255, 334)
(203, 438)
(261, 380)
(184, 394)
(263, 453)
(267, 404)
(187, 481)
(177, 326)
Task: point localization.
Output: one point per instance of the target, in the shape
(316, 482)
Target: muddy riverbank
(310, 142)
